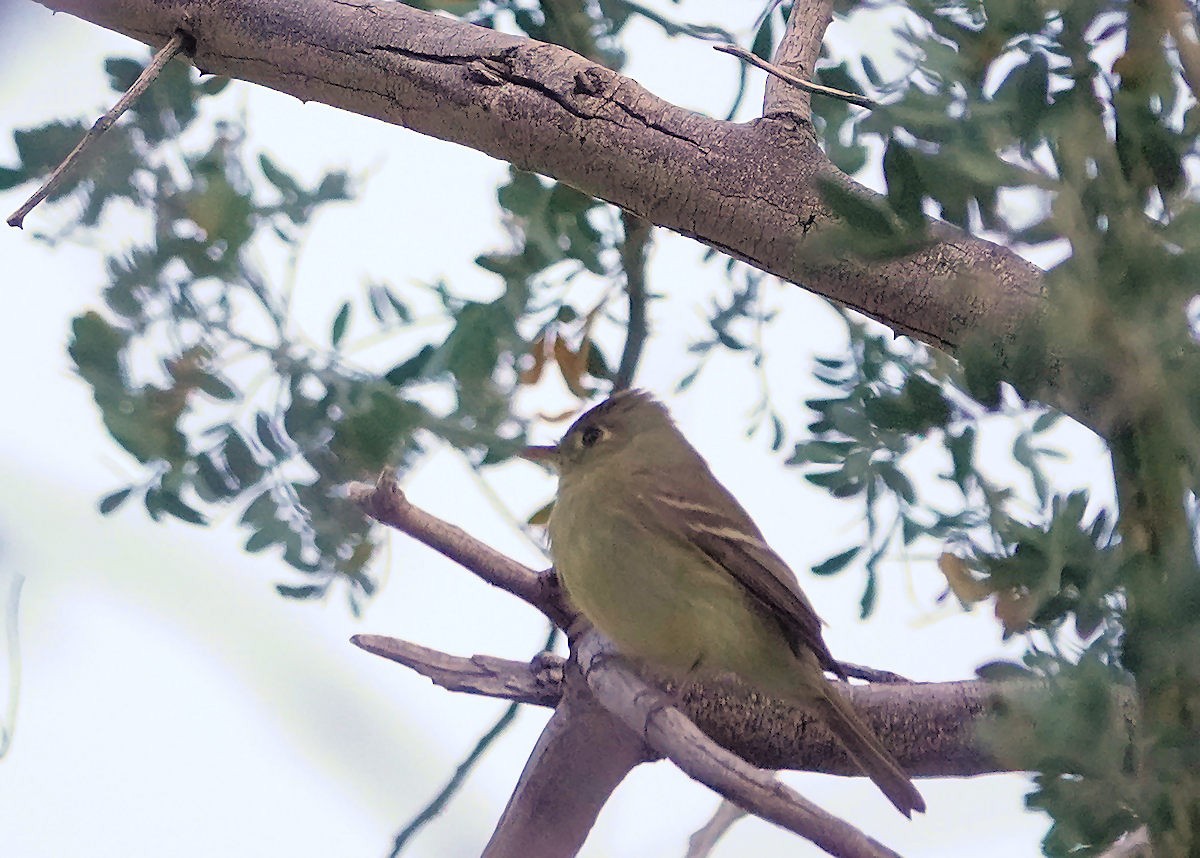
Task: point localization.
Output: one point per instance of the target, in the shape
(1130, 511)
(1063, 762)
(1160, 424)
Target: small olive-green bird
(662, 559)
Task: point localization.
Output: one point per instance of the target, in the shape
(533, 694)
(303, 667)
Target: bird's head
(631, 420)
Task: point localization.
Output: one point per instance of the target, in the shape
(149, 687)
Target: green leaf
(265, 430)
(213, 480)
(905, 189)
(411, 369)
(41, 149)
(962, 455)
(242, 464)
(304, 591)
(96, 348)
(999, 671)
(828, 479)
(764, 41)
(820, 452)
(339, 325)
(867, 603)
(110, 502)
(171, 503)
(216, 387)
(896, 480)
(271, 533)
(837, 562)
(122, 72)
(213, 85)
(282, 180)
(864, 214)
(10, 178)
(1046, 421)
(260, 511)
(524, 194)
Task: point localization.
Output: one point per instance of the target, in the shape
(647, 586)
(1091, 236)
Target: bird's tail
(868, 752)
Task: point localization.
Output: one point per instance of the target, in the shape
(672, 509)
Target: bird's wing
(712, 520)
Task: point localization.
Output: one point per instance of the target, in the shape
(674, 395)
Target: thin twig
(147, 77)
(439, 801)
(432, 810)
(871, 674)
(386, 503)
(537, 682)
(702, 843)
(633, 260)
(807, 86)
(705, 32)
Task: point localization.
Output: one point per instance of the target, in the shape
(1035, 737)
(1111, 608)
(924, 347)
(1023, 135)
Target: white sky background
(171, 703)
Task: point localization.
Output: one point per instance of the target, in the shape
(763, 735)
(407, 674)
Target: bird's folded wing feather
(716, 524)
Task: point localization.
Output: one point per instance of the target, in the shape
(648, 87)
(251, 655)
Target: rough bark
(750, 190)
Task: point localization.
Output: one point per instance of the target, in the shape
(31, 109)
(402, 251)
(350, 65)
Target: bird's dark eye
(590, 436)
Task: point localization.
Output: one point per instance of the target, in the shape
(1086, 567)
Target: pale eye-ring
(590, 436)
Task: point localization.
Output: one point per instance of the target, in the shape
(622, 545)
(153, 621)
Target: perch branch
(649, 713)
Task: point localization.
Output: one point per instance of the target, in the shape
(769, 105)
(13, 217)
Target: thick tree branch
(581, 756)
(931, 727)
(749, 190)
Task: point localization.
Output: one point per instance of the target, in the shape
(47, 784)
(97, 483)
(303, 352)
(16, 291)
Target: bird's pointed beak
(544, 455)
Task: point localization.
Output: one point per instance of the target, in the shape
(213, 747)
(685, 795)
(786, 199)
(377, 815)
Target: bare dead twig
(807, 86)
(105, 122)
(386, 503)
(871, 674)
(538, 681)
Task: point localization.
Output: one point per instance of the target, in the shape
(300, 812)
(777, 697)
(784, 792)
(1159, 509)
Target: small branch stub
(807, 86)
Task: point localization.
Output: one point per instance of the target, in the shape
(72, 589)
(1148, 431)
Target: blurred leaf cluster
(887, 398)
(203, 378)
(1070, 129)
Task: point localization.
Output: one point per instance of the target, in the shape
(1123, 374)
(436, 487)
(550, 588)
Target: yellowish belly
(660, 599)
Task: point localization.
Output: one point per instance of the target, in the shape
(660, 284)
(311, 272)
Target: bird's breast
(652, 591)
